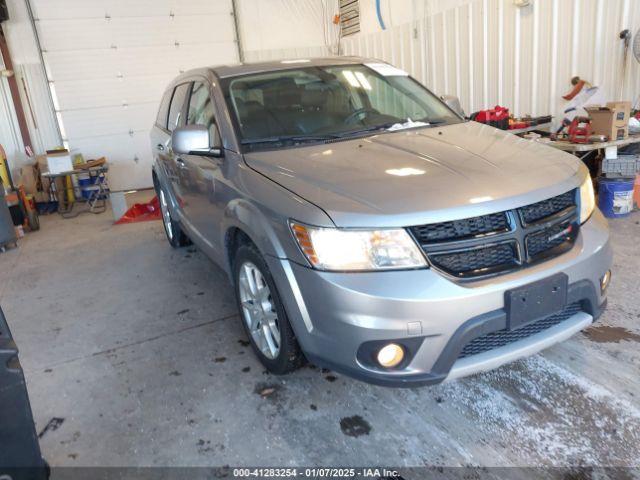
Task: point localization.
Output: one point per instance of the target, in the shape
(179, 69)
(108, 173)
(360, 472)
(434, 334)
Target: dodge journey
(370, 229)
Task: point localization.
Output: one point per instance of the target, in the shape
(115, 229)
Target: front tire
(176, 237)
(262, 313)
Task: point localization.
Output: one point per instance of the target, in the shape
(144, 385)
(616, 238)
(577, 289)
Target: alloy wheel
(258, 310)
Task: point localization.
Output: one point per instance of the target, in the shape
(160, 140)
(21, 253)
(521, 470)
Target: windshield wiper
(432, 122)
(290, 138)
(360, 131)
(386, 126)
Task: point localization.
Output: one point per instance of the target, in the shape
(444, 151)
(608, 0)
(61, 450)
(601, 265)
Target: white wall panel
(131, 149)
(107, 121)
(169, 60)
(109, 62)
(283, 24)
(78, 94)
(491, 52)
(59, 9)
(100, 33)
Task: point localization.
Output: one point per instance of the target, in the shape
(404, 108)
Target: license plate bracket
(536, 300)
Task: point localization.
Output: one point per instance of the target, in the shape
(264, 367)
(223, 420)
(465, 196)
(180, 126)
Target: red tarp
(142, 212)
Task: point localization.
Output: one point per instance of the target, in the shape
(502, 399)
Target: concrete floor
(139, 350)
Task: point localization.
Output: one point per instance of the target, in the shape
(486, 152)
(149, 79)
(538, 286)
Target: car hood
(421, 176)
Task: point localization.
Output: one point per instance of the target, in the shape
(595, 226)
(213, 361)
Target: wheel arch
(160, 179)
(245, 222)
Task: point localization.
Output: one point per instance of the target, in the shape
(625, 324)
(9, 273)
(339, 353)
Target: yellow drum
(4, 172)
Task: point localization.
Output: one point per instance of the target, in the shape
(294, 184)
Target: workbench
(589, 147)
(584, 150)
(97, 201)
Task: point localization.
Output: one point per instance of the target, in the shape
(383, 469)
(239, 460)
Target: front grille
(461, 229)
(546, 208)
(504, 337)
(553, 237)
(482, 259)
(503, 241)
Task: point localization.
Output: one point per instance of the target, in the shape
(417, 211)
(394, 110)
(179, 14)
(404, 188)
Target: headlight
(342, 250)
(587, 199)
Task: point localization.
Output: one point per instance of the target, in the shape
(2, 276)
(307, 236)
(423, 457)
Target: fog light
(604, 281)
(390, 355)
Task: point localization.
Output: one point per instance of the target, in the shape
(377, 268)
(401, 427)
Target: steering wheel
(354, 115)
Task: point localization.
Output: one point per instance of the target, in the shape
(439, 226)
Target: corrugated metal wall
(9, 131)
(110, 60)
(490, 52)
(273, 27)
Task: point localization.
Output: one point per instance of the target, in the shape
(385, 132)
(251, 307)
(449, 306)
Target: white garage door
(110, 60)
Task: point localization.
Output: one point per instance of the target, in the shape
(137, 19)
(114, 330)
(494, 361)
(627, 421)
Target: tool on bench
(579, 130)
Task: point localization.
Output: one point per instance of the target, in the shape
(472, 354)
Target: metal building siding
(35, 99)
(109, 62)
(490, 51)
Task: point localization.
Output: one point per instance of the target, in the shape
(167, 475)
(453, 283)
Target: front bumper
(335, 314)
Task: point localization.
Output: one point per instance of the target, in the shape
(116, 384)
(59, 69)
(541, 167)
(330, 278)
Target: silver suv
(369, 228)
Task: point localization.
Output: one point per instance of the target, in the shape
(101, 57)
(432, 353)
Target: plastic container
(625, 166)
(616, 196)
(85, 184)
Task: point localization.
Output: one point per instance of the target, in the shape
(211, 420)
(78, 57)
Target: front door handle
(160, 147)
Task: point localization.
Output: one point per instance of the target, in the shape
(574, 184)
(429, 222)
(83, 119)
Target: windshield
(282, 108)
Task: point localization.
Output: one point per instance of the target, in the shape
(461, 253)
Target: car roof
(223, 71)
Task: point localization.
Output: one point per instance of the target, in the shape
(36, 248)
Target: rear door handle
(160, 147)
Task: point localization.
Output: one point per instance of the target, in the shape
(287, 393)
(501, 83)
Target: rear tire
(262, 313)
(176, 237)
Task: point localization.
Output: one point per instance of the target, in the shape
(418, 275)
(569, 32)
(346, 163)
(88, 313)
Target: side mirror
(453, 103)
(194, 140)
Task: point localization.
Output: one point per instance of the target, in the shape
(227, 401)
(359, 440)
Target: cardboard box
(59, 162)
(43, 184)
(611, 120)
(622, 111)
(44, 195)
(28, 178)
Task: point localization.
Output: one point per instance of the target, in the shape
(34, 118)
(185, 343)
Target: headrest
(313, 98)
(252, 107)
(281, 93)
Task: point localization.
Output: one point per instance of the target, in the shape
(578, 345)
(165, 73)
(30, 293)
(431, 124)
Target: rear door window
(177, 104)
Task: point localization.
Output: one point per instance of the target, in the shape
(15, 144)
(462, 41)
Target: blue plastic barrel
(615, 197)
(86, 183)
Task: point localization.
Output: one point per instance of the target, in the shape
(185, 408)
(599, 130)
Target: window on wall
(177, 102)
(349, 17)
